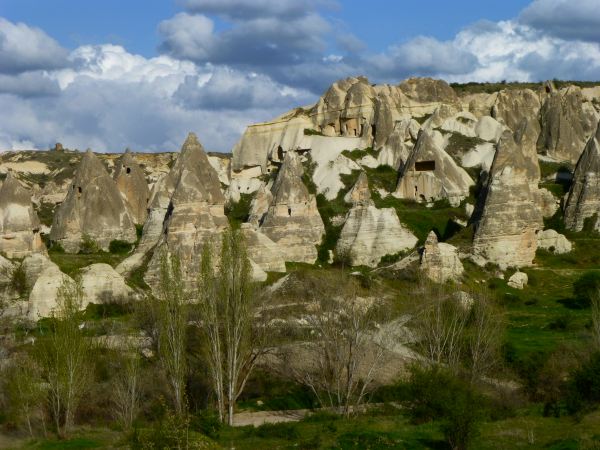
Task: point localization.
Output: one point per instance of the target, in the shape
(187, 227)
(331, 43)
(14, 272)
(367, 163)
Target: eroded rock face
(292, 220)
(102, 284)
(19, 223)
(195, 214)
(440, 261)
(370, 233)
(431, 174)
(514, 106)
(505, 232)
(262, 250)
(93, 207)
(43, 298)
(567, 122)
(583, 200)
(131, 181)
(518, 280)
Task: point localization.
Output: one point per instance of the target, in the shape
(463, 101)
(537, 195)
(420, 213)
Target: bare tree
(484, 336)
(226, 300)
(65, 357)
(346, 353)
(127, 392)
(439, 325)
(169, 313)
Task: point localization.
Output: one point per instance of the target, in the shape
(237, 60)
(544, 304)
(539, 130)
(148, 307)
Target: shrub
(88, 245)
(584, 387)
(18, 281)
(119, 247)
(585, 288)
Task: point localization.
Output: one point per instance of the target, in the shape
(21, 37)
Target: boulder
(262, 250)
(553, 241)
(507, 216)
(43, 298)
(34, 265)
(370, 233)
(19, 223)
(131, 181)
(293, 220)
(431, 174)
(93, 208)
(440, 261)
(102, 284)
(518, 280)
(583, 199)
(488, 129)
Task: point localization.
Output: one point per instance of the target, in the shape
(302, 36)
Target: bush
(88, 245)
(119, 247)
(18, 281)
(437, 394)
(585, 288)
(584, 387)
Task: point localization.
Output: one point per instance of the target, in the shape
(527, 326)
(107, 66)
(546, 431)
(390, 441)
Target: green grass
(311, 132)
(357, 154)
(72, 263)
(459, 144)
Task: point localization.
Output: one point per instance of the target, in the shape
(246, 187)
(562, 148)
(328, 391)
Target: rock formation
(43, 298)
(195, 214)
(583, 200)
(370, 233)
(514, 106)
(93, 208)
(505, 232)
(19, 223)
(554, 242)
(131, 181)
(431, 174)
(292, 220)
(102, 284)
(440, 261)
(567, 122)
(518, 280)
(263, 251)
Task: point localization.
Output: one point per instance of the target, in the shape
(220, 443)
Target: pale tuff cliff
(132, 184)
(19, 223)
(93, 208)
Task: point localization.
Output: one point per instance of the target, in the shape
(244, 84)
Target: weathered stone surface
(553, 241)
(567, 122)
(43, 296)
(488, 129)
(102, 284)
(93, 207)
(292, 220)
(19, 223)
(34, 265)
(262, 250)
(260, 205)
(131, 181)
(431, 174)
(440, 261)
(370, 233)
(505, 232)
(518, 280)
(196, 212)
(583, 200)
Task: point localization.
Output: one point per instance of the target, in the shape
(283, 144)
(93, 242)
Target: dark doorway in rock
(79, 189)
(128, 170)
(424, 166)
(280, 153)
(289, 211)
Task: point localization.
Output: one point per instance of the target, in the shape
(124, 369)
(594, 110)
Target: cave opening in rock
(424, 166)
(128, 170)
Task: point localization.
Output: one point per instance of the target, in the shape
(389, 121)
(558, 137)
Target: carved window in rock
(128, 170)
(280, 153)
(289, 211)
(424, 166)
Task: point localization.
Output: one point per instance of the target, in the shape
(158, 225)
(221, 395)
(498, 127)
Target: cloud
(244, 9)
(29, 84)
(567, 19)
(24, 48)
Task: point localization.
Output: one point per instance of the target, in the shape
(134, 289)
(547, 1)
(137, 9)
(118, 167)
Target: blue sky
(142, 73)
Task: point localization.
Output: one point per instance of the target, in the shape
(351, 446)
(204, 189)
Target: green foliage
(548, 168)
(19, 282)
(136, 276)
(586, 288)
(382, 177)
(238, 213)
(584, 387)
(88, 245)
(45, 213)
(458, 144)
(117, 246)
(328, 210)
(311, 132)
(287, 431)
(358, 154)
(436, 394)
(139, 228)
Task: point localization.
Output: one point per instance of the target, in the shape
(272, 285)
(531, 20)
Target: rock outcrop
(93, 208)
(292, 220)
(518, 280)
(440, 261)
(370, 233)
(554, 242)
(19, 223)
(505, 229)
(431, 174)
(43, 298)
(195, 214)
(102, 284)
(131, 181)
(263, 251)
(583, 200)
(567, 122)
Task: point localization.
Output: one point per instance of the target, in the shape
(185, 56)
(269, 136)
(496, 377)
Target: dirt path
(258, 418)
